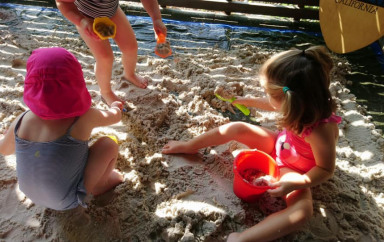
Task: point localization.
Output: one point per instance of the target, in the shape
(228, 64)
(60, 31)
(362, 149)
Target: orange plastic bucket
(253, 159)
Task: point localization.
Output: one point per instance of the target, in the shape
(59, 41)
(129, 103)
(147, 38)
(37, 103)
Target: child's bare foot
(173, 147)
(139, 81)
(114, 179)
(110, 97)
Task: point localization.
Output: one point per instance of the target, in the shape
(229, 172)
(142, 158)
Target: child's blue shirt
(51, 173)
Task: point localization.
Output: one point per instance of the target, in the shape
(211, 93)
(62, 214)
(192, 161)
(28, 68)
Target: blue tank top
(51, 173)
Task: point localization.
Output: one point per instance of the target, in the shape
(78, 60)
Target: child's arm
(258, 102)
(7, 141)
(323, 143)
(153, 10)
(106, 117)
(70, 11)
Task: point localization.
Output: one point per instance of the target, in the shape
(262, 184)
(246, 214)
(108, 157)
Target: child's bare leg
(99, 175)
(102, 51)
(299, 210)
(126, 40)
(251, 135)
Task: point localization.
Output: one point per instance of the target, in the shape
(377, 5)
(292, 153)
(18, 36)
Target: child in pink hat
(55, 166)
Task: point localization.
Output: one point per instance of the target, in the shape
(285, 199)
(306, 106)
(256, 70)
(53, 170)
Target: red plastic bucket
(253, 159)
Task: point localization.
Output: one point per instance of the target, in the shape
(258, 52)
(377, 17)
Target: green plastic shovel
(241, 107)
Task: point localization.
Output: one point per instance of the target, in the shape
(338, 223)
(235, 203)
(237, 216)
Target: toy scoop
(104, 28)
(163, 48)
(241, 107)
(114, 138)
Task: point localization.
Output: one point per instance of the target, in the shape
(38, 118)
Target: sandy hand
(177, 147)
(110, 97)
(265, 180)
(117, 104)
(86, 24)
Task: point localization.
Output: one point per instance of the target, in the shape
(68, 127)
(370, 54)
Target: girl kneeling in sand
(55, 166)
(297, 85)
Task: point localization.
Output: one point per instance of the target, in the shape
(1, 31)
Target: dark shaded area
(367, 78)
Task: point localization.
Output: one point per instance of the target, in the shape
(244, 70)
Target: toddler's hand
(240, 100)
(280, 188)
(87, 25)
(177, 147)
(117, 104)
(159, 27)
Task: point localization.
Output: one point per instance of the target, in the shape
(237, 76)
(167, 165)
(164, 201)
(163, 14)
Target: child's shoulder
(331, 121)
(97, 117)
(323, 132)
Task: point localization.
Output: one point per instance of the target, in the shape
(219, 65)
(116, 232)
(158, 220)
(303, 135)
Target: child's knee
(109, 144)
(105, 56)
(129, 48)
(238, 128)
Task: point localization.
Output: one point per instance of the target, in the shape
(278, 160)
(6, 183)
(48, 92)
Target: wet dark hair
(305, 74)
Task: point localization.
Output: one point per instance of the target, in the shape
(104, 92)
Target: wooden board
(254, 7)
(348, 25)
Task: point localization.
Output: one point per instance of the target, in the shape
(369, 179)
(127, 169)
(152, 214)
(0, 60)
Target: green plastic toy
(241, 107)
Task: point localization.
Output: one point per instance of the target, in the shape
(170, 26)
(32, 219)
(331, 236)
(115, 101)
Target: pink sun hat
(54, 87)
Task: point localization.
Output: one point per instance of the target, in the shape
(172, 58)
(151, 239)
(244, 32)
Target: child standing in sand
(82, 14)
(297, 85)
(55, 166)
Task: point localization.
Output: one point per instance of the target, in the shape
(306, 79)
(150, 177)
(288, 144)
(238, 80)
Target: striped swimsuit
(51, 173)
(97, 8)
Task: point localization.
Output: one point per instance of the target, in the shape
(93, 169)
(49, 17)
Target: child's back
(55, 166)
(50, 164)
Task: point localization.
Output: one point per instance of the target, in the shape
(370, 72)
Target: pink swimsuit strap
(332, 119)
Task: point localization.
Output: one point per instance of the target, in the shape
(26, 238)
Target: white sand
(184, 197)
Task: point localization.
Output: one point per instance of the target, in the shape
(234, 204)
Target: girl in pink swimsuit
(297, 86)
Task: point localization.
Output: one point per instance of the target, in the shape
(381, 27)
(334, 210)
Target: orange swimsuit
(294, 152)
